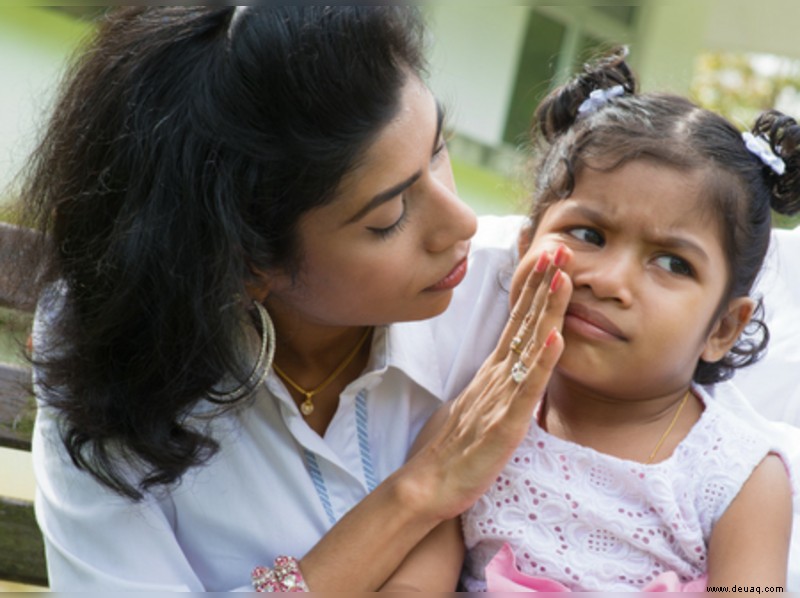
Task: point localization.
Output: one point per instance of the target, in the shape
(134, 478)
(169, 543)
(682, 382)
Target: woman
(241, 201)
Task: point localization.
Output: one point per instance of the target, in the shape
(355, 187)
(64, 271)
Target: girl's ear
(727, 329)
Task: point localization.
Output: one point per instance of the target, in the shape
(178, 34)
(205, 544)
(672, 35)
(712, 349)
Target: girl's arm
(750, 543)
(470, 442)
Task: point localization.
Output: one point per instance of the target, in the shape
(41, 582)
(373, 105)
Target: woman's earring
(263, 364)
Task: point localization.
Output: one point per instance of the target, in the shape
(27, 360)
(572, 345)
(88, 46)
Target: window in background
(558, 40)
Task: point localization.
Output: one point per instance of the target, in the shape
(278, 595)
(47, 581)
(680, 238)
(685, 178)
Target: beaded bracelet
(285, 576)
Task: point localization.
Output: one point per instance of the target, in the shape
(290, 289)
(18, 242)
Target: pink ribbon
(502, 575)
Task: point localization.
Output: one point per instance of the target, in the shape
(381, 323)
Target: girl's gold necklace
(307, 406)
(543, 424)
(669, 428)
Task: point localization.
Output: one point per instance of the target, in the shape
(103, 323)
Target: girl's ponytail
(782, 133)
(559, 110)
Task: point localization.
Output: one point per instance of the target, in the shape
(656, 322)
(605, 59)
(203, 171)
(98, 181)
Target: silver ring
(518, 372)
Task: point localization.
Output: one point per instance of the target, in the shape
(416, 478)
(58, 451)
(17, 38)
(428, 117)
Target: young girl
(636, 473)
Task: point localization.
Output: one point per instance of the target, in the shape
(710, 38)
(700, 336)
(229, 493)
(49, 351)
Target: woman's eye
(385, 232)
(441, 148)
(675, 265)
(587, 235)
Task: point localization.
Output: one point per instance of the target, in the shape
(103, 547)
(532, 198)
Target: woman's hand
(458, 455)
(466, 444)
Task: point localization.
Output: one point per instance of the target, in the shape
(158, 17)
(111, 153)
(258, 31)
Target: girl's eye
(587, 235)
(395, 227)
(675, 265)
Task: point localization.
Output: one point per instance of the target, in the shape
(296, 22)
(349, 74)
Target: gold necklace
(307, 406)
(669, 428)
(543, 423)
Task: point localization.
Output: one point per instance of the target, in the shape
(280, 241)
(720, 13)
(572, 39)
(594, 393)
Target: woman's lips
(453, 279)
(591, 323)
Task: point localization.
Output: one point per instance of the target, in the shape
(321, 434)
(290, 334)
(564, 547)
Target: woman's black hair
(186, 144)
(740, 188)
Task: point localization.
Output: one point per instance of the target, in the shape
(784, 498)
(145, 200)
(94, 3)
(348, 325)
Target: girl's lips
(453, 279)
(590, 323)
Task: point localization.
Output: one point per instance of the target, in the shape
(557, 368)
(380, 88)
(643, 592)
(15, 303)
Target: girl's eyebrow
(667, 241)
(397, 189)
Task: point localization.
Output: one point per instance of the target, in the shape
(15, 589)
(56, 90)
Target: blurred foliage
(741, 86)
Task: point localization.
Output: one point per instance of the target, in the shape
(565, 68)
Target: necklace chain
(669, 428)
(307, 406)
(684, 400)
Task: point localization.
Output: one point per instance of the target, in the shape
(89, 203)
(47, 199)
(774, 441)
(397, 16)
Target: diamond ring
(518, 372)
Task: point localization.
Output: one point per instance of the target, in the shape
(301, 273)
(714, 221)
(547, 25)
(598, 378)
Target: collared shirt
(275, 487)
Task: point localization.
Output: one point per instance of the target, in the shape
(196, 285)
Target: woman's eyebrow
(385, 196)
(397, 189)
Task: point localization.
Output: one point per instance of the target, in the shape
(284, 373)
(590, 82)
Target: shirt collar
(407, 347)
(410, 348)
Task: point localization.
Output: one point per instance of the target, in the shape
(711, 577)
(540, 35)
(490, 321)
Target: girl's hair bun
(783, 135)
(559, 110)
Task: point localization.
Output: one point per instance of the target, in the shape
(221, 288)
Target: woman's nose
(451, 220)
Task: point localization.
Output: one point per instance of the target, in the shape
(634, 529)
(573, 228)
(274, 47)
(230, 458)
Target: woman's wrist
(284, 576)
(381, 530)
(419, 490)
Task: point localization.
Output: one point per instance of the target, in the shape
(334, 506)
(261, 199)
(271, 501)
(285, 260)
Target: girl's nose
(609, 276)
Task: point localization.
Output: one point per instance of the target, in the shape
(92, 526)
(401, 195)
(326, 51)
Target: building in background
(490, 62)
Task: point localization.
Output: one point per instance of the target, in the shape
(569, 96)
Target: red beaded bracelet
(285, 576)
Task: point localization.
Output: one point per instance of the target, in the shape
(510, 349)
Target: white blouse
(275, 487)
(597, 523)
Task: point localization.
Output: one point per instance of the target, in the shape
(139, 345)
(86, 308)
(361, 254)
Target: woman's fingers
(534, 302)
(547, 313)
(540, 356)
(481, 429)
(522, 308)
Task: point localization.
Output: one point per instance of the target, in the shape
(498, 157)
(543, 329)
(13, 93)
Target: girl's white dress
(594, 522)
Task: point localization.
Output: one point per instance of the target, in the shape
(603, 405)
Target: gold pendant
(307, 407)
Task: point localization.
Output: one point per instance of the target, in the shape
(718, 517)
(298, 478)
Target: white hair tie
(599, 98)
(760, 147)
(238, 13)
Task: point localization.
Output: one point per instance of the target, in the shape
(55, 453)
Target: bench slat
(21, 545)
(17, 245)
(17, 407)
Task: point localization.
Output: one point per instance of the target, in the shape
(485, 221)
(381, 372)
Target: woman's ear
(727, 329)
(258, 287)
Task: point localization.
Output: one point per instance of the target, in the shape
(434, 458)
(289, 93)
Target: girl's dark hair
(740, 189)
(184, 148)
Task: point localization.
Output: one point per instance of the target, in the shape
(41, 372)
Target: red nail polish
(555, 284)
(560, 258)
(551, 338)
(541, 263)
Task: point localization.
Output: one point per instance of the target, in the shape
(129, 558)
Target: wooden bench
(21, 545)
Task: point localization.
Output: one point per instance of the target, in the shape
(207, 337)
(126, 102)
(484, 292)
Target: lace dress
(594, 522)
